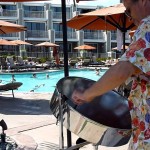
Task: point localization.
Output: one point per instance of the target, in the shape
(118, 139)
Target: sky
(90, 3)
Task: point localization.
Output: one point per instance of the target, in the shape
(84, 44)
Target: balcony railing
(70, 55)
(93, 35)
(36, 34)
(8, 13)
(70, 35)
(9, 35)
(34, 14)
(114, 36)
(58, 15)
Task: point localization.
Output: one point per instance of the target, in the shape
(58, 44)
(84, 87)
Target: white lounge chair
(10, 63)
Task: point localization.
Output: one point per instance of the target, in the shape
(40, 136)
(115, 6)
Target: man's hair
(134, 1)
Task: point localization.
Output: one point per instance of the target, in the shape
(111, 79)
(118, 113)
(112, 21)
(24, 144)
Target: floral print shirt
(138, 54)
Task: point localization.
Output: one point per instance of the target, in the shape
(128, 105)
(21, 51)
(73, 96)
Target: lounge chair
(25, 64)
(72, 62)
(20, 61)
(10, 86)
(86, 62)
(44, 66)
(97, 64)
(3, 63)
(11, 64)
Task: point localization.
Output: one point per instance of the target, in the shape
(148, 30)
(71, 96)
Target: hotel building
(43, 22)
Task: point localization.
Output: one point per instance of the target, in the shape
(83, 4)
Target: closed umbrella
(7, 27)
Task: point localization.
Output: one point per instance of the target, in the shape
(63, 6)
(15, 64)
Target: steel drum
(106, 120)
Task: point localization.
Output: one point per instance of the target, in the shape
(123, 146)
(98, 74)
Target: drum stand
(61, 135)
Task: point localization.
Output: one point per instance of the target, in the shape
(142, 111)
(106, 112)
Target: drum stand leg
(61, 136)
(95, 147)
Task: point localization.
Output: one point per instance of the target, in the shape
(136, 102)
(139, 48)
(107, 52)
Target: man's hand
(78, 97)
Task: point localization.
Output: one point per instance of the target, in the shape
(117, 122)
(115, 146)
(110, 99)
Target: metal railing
(36, 34)
(8, 13)
(49, 55)
(34, 14)
(58, 15)
(70, 35)
(93, 35)
(114, 36)
(73, 55)
(9, 35)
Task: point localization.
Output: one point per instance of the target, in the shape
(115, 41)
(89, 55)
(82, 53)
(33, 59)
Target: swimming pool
(43, 84)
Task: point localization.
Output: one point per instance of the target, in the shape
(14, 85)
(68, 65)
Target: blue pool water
(42, 84)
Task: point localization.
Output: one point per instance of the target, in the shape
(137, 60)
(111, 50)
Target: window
(56, 9)
(81, 10)
(35, 26)
(33, 8)
(57, 27)
(9, 7)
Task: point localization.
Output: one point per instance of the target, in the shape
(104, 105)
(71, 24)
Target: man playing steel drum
(134, 63)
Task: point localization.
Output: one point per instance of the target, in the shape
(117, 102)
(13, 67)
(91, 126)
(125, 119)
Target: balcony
(8, 13)
(34, 14)
(70, 35)
(58, 15)
(114, 36)
(94, 35)
(10, 35)
(36, 34)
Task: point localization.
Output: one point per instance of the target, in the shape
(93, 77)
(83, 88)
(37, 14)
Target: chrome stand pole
(61, 136)
(95, 147)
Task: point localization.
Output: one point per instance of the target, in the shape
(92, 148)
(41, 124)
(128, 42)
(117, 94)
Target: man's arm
(114, 77)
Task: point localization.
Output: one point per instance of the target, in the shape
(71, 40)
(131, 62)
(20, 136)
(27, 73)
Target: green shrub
(42, 60)
(100, 59)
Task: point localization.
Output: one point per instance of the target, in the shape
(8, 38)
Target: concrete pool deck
(31, 123)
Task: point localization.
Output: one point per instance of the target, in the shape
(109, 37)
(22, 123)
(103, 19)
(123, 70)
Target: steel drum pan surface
(100, 121)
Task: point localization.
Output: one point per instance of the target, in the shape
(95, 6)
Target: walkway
(31, 123)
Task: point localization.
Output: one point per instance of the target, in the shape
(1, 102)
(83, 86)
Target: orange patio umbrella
(47, 44)
(7, 27)
(6, 42)
(20, 42)
(85, 47)
(109, 18)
